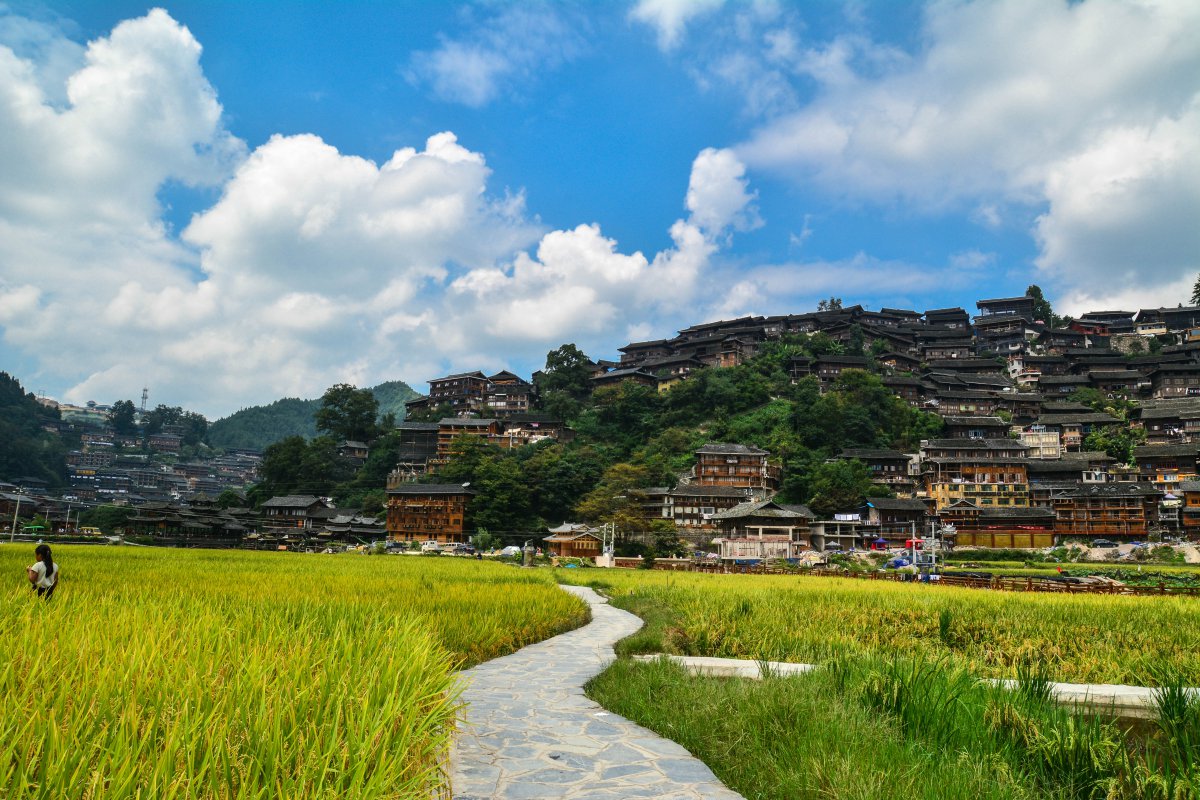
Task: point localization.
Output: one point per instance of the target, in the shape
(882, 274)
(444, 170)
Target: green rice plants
(1177, 720)
(217, 674)
(1078, 638)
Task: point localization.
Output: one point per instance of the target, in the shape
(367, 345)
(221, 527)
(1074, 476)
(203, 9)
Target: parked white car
(431, 546)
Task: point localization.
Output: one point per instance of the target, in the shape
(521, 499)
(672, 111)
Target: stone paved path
(531, 734)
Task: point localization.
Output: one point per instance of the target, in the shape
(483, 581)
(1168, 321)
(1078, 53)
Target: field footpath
(1117, 699)
(531, 734)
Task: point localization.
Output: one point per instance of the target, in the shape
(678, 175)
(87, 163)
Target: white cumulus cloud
(1083, 114)
(669, 18)
(498, 54)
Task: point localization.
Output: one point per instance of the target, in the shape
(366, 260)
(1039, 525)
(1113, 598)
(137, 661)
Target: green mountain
(259, 426)
(26, 450)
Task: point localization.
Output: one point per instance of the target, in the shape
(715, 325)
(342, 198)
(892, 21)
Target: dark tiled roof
(1166, 451)
(731, 449)
(974, 444)
(896, 504)
(431, 488)
(291, 501)
(763, 508)
(866, 453)
(1125, 489)
(1019, 513)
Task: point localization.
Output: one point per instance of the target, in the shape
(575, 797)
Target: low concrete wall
(1116, 699)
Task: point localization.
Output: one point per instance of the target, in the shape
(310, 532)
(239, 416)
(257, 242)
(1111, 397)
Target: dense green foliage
(122, 417)
(631, 437)
(347, 413)
(27, 450)
(628, 438)
(195, 426)
(259, 426)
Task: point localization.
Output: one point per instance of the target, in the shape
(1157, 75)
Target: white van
(431, 546)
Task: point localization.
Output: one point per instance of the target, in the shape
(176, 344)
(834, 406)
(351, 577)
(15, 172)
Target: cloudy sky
(232, 202)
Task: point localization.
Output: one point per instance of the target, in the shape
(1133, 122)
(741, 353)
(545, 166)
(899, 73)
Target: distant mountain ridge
(257, 427)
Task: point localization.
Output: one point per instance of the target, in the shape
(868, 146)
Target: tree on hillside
(567, 369)
(1117, 441)
(832, 304)
(122, 417)
(348, 413)
(618, 498)
(25, 449)
(195, 426)
(280, 467)
(842, 486)
(1041, 306)
(565, 382)
(1196, 292)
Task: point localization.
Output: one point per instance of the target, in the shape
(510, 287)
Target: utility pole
(145, 396)
(12, 534)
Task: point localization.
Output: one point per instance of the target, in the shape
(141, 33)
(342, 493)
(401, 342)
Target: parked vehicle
(431, 546)
(1103, 543)
(511, 550)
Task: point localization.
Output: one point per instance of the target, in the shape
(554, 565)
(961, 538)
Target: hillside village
(1042, 429)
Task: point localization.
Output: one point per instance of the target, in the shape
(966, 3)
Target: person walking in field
(43, 573)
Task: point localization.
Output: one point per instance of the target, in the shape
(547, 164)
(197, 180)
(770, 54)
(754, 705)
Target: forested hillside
(26, 451)
(259, 426)
(631, 437)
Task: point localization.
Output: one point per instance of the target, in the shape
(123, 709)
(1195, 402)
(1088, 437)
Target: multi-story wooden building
(1190, 517)
(1170, 421)
(829, 368)
(888, 468)
(418, 512)
(1165, 465)
(955, 318)
(464, 392)
(1175, 380)
(418, 446)
(986, 472)
(1007, 306)
(1125, 510)
(292, 511)
(763, 529)
(506, 394)
(1001, 527)
(452, 427)
(736, 465)
(1074, 428)
(692, 506)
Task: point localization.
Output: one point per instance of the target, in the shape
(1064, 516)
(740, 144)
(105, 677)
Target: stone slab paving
(531, 734)
(1131, 701)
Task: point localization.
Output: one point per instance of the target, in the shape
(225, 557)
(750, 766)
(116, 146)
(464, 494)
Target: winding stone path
(531, 734)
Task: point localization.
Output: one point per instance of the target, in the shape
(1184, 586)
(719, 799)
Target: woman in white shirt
(43, 574)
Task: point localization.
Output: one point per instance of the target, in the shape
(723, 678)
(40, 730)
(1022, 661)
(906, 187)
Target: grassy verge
(794, 738)
(905, 729)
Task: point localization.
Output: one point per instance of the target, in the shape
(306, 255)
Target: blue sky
(233, 202)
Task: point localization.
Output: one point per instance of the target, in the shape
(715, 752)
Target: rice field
(205, 674)
(1076, 638)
